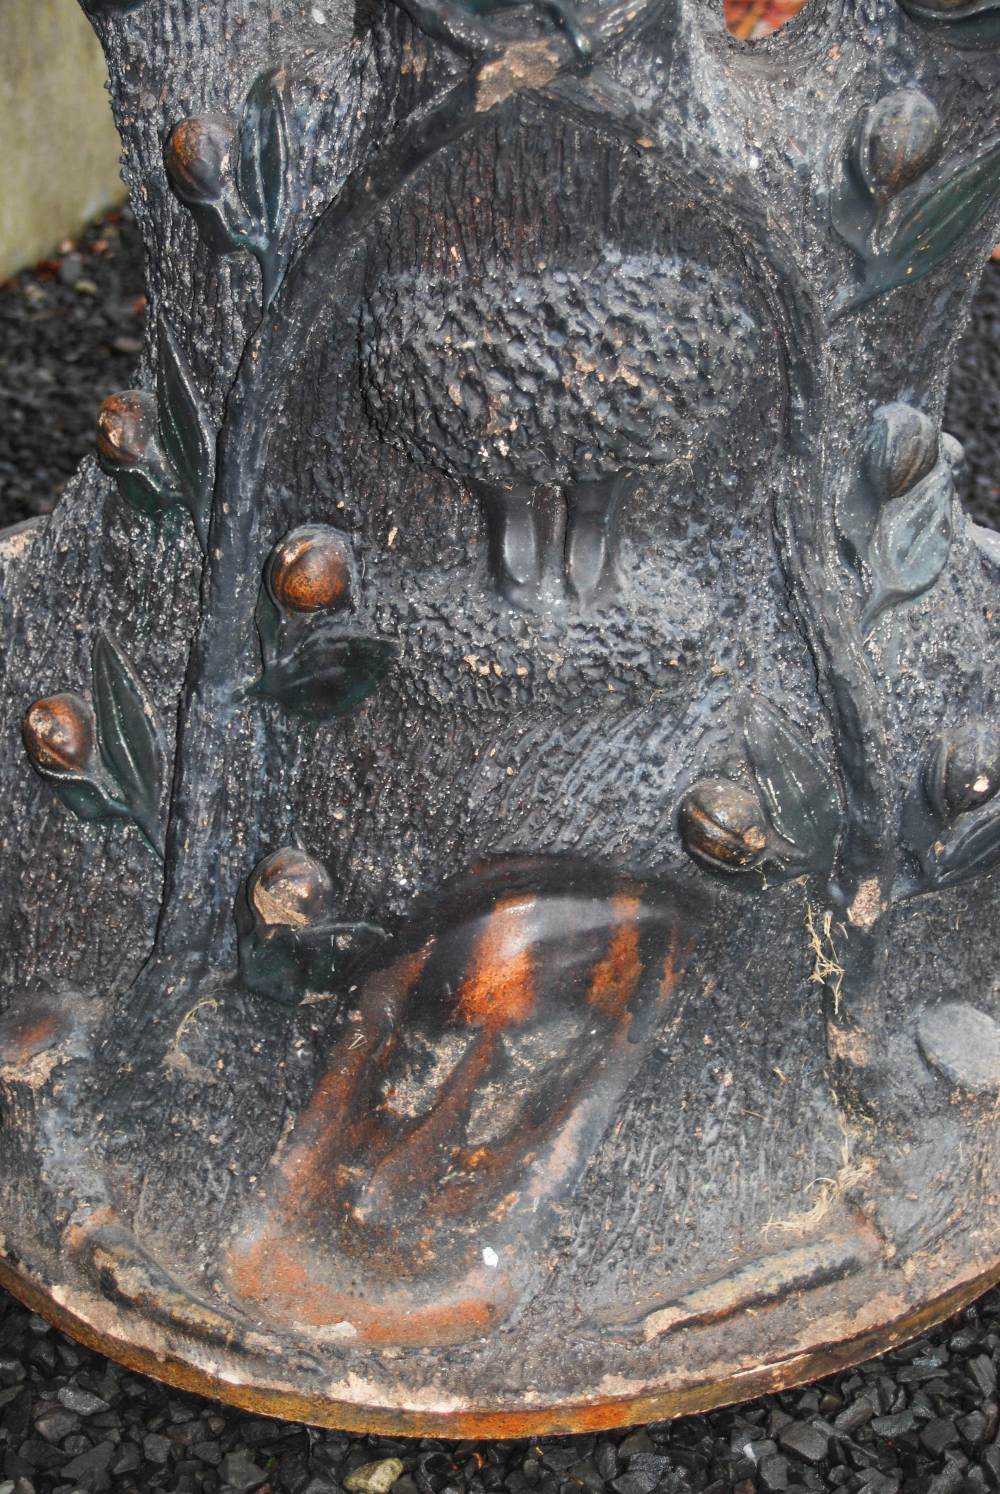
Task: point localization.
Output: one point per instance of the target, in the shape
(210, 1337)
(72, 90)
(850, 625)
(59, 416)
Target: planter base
(500, 890)
(819, 1278)
(233, 1379)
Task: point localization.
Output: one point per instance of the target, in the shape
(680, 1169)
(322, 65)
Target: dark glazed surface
(510, 779)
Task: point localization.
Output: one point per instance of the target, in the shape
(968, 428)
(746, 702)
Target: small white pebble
(319, 16)
(490, 1257)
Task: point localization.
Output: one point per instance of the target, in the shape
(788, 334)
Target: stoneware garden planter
(498, 787)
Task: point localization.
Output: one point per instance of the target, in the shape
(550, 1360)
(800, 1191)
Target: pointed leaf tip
(128, 736)
(186, 431)
(796, 784)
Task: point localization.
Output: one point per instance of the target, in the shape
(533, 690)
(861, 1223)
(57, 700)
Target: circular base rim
(594, 1415)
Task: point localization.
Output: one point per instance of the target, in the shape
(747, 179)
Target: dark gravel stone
(127, 1461)
(760, 1448)
(83, 1402)
(43, 1355)
(606, 1460)
(938, 1435)
(55, 1425)
(583, 1475)
(557, 1456)
(949, 1481)
(895, 1425)
(805, 1441)
(208, 1452)
(774, 1474)
(648, 1465)
(983, 1371)
(636, 1483)
(84, 1468)
(157, 1448)
(38, 1454)
(240, 1472)
(856, 1415)
(634, 1444)
(70, 270)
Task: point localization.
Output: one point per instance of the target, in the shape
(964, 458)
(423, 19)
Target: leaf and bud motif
(952, 816)
(289, 940)
(969, 24)
(898, 225)
(898, 520)
(103, 754)
(788, 824)
(60, 737)
(200, 161)
(900, 449)
(723, 826)
(898, 141)
(233, 175)
(316, 662)
(160, 448)
(963, 772)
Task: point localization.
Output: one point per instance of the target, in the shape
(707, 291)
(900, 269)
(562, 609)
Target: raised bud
(126, 428)
(129, 450)
(963, 772)
(59, 734)
(310, 570)
(199, 157)
(900, 450)
(723, 826)
(899, 140)
(290, 889)
(200, 160)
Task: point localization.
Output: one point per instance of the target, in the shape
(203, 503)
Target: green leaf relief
(129, 737)
(920, 238)
(186, 433)
(795, 782)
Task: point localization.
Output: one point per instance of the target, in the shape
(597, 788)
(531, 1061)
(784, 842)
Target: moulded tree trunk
(514, 716)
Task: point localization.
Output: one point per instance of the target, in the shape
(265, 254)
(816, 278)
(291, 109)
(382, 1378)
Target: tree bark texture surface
(501, 745)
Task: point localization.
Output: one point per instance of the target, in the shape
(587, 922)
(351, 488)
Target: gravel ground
(923, 1420)
(973, 410)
